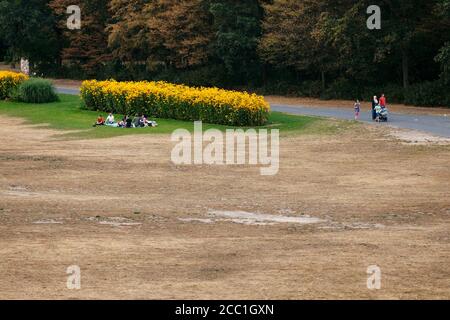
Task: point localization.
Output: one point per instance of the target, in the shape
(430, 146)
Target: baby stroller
(382, 114)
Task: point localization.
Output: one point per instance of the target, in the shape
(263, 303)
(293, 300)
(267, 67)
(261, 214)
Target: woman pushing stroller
(379, 110)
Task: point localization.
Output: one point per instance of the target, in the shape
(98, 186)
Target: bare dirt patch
(262, 219)
(137, 225)
(419, 138)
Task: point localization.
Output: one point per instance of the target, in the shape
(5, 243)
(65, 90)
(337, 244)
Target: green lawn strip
(67, 114)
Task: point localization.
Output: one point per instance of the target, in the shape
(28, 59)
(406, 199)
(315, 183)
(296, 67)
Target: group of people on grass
(126, 122)
(378, 106)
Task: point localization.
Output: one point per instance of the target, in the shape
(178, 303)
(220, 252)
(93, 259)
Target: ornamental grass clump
(35, 90)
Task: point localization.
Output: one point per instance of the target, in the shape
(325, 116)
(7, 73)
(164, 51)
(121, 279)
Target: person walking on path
(383, 101)
(357, 110)
(374, 105)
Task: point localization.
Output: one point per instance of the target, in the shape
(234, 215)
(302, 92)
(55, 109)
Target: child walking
(357, 110)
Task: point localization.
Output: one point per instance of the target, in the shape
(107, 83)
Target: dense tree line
(307, 47)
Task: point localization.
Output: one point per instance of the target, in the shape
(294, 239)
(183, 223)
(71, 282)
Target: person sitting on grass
(110, 119)
(149, 123)
(129, 122)
(100, 121)
(142, 121)
(145, 122)
(136, 121)
(123, 122)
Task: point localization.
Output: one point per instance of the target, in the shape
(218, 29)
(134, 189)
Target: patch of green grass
(67, 114)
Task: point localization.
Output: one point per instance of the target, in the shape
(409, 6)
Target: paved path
(436, 125)
(68, 91)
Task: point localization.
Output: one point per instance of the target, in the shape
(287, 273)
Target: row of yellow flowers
(166, 100)
(9, 81)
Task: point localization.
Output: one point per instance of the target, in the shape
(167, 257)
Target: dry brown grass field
(140, 227)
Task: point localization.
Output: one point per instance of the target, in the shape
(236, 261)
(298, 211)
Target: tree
(28, 30)
(168, 33)
(443, 57)
(2, 50)
(404, 22)
(86, 47)
(128, 32)
(299, 44)
(292, 38)
(352, 46)
(182, 28)
(332, 37)
(237, 27)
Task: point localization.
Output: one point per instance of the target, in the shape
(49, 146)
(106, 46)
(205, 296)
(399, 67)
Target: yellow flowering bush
(10, 81)
(171, 101)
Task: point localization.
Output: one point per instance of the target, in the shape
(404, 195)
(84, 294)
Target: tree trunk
(323, 81)
(264, 74)
(405, 68)
(59, 62)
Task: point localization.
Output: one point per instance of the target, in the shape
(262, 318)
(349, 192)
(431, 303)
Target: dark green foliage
(443, 58)
(238, 29)
(428, 94)
(27, 29)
